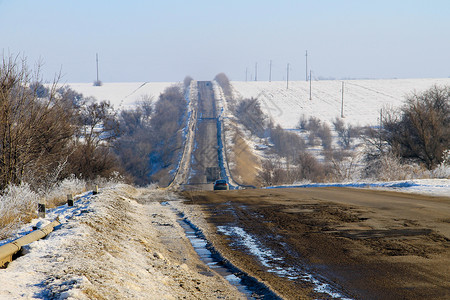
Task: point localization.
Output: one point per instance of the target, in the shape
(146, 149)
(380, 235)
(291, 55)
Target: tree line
(51, 132)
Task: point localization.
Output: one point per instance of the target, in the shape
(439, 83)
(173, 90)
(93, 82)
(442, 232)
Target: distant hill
(121, 94)
(363, 99)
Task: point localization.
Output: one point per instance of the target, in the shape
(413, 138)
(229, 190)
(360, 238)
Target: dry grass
(246, 164)
(18, 204)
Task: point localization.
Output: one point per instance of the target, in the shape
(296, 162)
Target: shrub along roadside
(151, 140)
(45, 133)
(18, 203)
(48, 134)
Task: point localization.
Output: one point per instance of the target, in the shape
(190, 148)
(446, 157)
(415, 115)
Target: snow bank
(182, 170)
(435, 187)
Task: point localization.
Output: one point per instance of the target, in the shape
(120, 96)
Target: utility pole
(97, 82)
(310, 87)
(246, 72)
(342, 101)
(256, 71)
(287, 77)
(381, 126)
(306, 65)
(270, 71)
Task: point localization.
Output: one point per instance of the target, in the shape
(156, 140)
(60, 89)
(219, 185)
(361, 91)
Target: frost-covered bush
(390, 167)
(18, 205)
(345, 166)
(443, 169)
(114, 179)
(57, 194)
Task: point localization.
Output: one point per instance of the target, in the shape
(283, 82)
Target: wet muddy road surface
(205, 153)
(333, 243)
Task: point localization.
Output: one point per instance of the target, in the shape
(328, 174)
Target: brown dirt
(370, 244)
(246, 163)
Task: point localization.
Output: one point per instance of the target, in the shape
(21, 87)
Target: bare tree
(325, 135)
(97, 129)
(136, 141)
(422, 129)
(272, 172)
(346, 133)
(225, 84)
(286, 144)
(35, 127)
(187, 81)
(249, 113)
(309, 168)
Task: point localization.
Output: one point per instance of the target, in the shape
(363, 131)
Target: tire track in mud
(283, 236)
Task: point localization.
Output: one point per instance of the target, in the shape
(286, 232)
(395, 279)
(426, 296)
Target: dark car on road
(221, 184)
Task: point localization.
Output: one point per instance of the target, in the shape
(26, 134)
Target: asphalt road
(205, 154)
(364, 244)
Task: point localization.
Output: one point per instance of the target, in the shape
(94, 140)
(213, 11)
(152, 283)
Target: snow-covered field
(121, 94)
(363, 99)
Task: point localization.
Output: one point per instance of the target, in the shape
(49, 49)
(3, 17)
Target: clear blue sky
(168, 39)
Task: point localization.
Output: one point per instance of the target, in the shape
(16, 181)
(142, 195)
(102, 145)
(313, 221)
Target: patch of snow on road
(270, 260)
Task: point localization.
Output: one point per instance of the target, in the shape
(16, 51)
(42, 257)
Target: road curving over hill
(332, 242)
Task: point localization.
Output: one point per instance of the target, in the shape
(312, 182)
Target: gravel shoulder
(123, 245)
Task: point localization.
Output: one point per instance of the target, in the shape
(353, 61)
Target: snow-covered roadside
(229, 147)
(182, 170)
(433, 187)
(226, 138)
(120, 244)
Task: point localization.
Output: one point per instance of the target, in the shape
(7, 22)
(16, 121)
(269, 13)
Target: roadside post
(41, 208)
(95, 191)
(69, 200)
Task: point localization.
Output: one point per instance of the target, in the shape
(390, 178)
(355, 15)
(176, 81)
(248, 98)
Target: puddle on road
(273, 263)
(246, 284)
